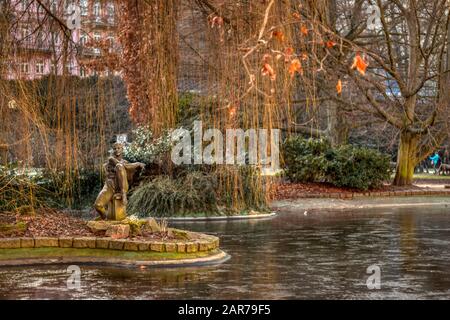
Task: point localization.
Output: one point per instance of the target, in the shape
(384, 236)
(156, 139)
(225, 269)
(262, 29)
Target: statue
(112, 200)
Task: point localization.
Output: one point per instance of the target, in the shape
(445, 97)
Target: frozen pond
(293, 256)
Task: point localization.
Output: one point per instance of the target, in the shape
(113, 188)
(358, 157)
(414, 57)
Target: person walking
(435, 161)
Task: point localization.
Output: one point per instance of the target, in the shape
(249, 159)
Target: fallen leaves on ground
(49, 223)
(285, 190)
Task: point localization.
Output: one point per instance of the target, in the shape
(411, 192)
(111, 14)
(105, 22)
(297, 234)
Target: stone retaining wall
(356, 195)
(205, 243)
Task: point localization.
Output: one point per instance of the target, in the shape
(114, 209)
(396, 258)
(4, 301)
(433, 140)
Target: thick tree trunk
(337, 131)
(406, 159)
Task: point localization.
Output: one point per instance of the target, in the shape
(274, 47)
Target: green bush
(164, 196)
(358, 168)
(309, 160)
(305, 159)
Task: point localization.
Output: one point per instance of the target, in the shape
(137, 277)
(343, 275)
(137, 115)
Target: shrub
(358, 168)
(305, 159)
(145, 148)
(163, 196)
(309, 160)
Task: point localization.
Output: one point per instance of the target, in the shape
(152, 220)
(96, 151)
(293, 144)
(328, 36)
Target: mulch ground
(45, 223)
(286, 190)
(52, 223)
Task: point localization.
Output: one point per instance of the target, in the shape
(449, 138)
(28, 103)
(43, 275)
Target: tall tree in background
(398, 73)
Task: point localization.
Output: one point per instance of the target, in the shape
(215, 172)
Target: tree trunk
(406, 159)
(337, 131)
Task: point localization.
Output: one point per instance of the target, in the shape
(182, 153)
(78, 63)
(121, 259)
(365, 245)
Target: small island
(55, 237)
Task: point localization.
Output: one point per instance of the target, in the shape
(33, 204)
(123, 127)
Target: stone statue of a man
(112, 200)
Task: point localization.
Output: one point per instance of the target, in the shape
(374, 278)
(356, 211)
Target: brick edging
(370, 194)
(205, 243)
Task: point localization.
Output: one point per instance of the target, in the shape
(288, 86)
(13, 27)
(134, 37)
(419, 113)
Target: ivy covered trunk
(406, 159)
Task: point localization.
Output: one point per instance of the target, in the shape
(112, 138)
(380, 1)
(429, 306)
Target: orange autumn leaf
(359, 64)
(288, 52)
(330, 44)
(267, 70)
(279, 35)
(304, 30)
(296, 15)
(339, 87)
(232, 111)
(294, 67)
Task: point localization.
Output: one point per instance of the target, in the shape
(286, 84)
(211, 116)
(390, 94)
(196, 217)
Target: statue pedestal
(116, 208)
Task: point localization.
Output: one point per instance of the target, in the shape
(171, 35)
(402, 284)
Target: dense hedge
(305, 159)
(359, 168)
(309, 160)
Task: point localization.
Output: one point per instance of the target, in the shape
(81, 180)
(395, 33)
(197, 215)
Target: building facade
(41, 44)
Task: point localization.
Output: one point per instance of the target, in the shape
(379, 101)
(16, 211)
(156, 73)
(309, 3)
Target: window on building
(83, 39)
(69, 68)
(84, 6)
(110, 9)
(55, 37)
(40, 37)
(54, 6)
(97, 9)
(111, 43)
(24, 33)
(97, 38)
(40, 9)
(24, 4)
(24, 68)
(40, 67)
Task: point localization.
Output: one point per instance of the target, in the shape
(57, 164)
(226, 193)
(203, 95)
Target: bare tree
(407, 62)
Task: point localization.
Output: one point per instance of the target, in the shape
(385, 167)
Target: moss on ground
(11, 229)
(31, 253)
